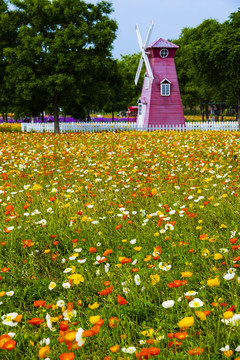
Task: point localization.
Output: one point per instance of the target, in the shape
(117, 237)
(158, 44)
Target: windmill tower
(160, 102)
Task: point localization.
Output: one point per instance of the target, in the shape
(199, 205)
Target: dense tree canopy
(61, 51)
(208, 62)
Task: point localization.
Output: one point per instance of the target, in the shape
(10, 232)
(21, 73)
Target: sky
(169, 17)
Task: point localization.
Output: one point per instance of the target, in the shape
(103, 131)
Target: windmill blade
(148, 67)
(144, 55)
(149, 34)
(139, 70)
(139, 38)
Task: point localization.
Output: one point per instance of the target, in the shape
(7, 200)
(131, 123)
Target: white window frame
(164, 53)
(147, 82)
(165, 89)
(140, 109)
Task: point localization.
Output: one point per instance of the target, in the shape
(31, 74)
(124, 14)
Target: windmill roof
(161, 43)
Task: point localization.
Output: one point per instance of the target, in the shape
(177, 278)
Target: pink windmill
(160, 102)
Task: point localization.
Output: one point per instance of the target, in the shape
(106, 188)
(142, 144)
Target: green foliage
(62, 49)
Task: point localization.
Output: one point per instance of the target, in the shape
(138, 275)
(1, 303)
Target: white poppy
(226, 348)
(8, 319)
(79, 337)
(60, 303)
(66, 285)
(229, 276)
(168, 304)
(235, 320)
(137, 279)
(196, 303)
(67, 270)
(190, 293)
(133, 241)
(82, 261)
(52, 285)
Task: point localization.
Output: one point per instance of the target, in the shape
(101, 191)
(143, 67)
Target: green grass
(159, 197)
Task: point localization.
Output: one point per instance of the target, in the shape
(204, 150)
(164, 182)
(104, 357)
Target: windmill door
(141, 114)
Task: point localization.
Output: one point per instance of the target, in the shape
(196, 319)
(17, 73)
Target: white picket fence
(92, 127)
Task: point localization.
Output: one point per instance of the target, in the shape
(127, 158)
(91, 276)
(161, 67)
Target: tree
(61, 44)
(129, 92)
(193, 65)
(9, 24)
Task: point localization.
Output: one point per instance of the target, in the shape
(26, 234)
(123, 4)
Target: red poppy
(39, 303)
(153, 351)
(231, 308)
(126, 260)
(64, 325)
(9, 345)
(35, 321)
(233, 240)
(106, 291)
(121, 300)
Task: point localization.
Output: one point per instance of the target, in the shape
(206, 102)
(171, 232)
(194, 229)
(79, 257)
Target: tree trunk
(42, 116)
(207, 111)
(56, 114)
(238, 111)
(112, 115)
(88, 115)
(3, 116)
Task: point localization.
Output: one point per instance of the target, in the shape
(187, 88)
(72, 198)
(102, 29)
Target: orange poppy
(196, 351)
(67, 356)
(44, 352)
(114, 348)
(118, 226)
(180, 335)
(92, 250)
(153, 351)
(113, 322)
(107, 252)
(4, 338)
(106, 283)
(88, 333)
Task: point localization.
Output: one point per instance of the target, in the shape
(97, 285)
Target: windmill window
(139, 109)
(165, 89)
(164, 53)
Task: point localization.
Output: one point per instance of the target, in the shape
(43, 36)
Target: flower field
(120, 245)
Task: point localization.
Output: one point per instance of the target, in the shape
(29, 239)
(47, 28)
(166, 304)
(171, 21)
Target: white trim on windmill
(164, 80)
(144, 56)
